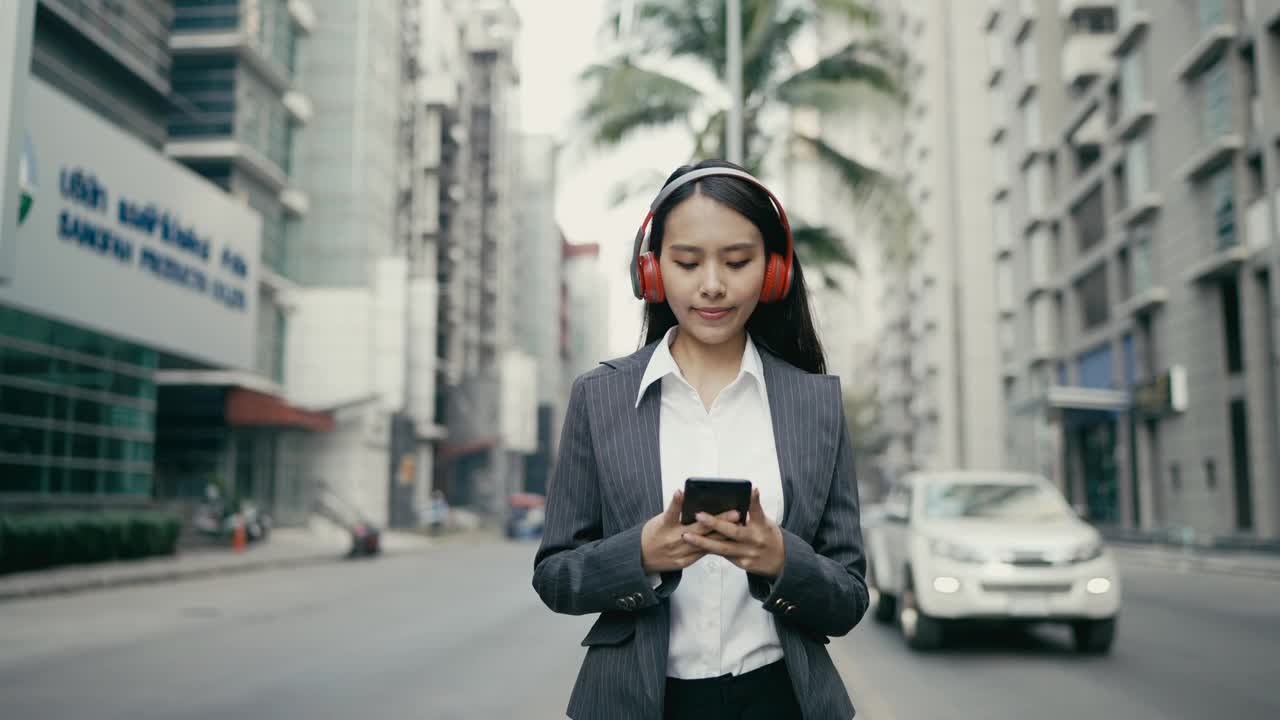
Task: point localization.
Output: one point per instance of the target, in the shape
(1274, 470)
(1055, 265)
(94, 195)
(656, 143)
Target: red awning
(254, 409)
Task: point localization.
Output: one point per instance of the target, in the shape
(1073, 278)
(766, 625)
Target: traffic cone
(238, 537)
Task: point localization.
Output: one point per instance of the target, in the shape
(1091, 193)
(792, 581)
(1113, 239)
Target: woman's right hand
(662, 544)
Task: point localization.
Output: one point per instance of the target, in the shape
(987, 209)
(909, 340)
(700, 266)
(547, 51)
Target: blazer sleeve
(823, 587)
(576, 569)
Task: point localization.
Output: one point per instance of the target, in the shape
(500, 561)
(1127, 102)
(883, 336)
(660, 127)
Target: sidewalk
(1251, 564)
(287, 548)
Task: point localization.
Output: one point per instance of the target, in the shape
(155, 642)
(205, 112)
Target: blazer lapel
(631, 437)
(785, 416)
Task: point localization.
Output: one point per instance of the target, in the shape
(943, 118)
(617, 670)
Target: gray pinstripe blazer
(608, 483)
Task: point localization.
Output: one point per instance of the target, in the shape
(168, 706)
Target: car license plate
(1028, 605)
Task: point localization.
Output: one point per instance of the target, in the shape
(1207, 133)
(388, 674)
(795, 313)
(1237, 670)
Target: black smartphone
(714, 496)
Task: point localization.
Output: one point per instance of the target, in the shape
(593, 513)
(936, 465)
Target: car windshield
(1004, 501)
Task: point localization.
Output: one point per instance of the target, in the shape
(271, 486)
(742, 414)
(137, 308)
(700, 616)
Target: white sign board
(124, 241)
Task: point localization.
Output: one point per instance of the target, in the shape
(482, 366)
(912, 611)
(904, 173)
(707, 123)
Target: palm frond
(858, 178)
(820, 246)
(627, 98)
(764, 54)
(854, 11)
(866, 64)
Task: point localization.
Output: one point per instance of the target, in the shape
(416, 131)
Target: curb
(1194, 562)
(88, 584)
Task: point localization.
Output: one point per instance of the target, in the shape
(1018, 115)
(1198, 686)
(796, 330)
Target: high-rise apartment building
(1135, 224)
(939, 379)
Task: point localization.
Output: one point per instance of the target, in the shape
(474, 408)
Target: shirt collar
(662, 364)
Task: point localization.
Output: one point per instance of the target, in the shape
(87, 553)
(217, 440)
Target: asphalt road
(457, 633)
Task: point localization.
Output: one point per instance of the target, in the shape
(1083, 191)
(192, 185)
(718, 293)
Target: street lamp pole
(733, 73)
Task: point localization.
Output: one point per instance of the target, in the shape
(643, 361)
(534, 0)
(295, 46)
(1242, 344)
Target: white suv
(951, 546)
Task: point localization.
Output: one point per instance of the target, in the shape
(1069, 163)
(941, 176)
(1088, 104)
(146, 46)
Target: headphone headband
(680, 182)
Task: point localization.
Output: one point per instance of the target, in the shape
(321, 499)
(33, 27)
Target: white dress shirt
(717, 627)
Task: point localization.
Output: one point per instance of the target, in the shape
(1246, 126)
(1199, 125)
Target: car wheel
(921, 631)
(1094, 637)
(884, 605)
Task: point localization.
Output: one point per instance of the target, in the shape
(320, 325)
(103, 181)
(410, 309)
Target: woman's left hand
(756, 547)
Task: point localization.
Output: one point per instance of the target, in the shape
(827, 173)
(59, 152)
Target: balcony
(1133, 26)
(1206, 51)
(303, 15)
(1086, 56)
(231, 37)
(243, 156)
(1134, 122)
(1010, 370)
(992, 18)
(1145, 302)
(299, 107)
(296, 202)
(1041, 356)
(1141, 209)
(1212, 157)
(1224, 263)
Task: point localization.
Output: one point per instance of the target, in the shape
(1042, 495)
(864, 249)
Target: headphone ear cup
(651, 288)
(773, 277)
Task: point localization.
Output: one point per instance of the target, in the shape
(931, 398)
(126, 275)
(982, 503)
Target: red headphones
(646, 281)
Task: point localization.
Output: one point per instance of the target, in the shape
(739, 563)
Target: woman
(713, 619)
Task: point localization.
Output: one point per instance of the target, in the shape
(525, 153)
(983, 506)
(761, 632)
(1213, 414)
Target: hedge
(41, 540)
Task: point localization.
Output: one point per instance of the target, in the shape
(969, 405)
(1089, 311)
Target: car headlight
(1091, 550)
(955, 551)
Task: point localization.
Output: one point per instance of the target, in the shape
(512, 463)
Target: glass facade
(208, 84)
(1217, 101)
(206, 15)
(77, 409)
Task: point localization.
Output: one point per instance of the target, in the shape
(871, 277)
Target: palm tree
(630, 94)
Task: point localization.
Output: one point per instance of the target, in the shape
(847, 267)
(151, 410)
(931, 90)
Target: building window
(1240, 464)
(1089, 223)
(1137, 170)
(77, 410)
(1212, 13)
(1040, 256)
(207, 86)
(1222, 189)
(1027, 55)
(205, 15)
(1095, 368)
(1091, 292)
(1094, 22)
(1036, 185)
(1031, 122)
(1131, 84)
(1140, 260)
(1217, 101)
(1043, 327)
(1130, 361)
(1230, 292)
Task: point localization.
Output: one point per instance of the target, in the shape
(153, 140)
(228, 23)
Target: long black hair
(784, 328)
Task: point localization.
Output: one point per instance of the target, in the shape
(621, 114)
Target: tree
(633, 91)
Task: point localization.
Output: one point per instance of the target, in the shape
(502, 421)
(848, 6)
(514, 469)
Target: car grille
(1038, 588)
(1028, 558)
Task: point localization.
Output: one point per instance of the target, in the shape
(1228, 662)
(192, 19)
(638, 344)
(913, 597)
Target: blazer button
(789, 610)
(622, 603)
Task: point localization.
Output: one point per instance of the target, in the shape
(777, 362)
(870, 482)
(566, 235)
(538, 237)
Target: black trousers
(763, 694)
